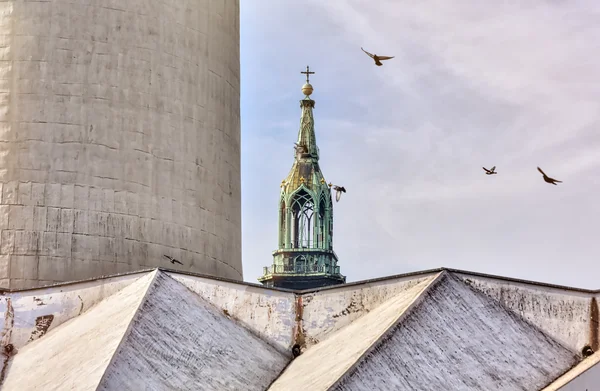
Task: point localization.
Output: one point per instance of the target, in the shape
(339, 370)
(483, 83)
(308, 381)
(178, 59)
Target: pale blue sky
(473, 84)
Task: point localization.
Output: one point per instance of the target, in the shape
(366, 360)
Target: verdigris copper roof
(305, 169)
(304, 173)
(306, 134)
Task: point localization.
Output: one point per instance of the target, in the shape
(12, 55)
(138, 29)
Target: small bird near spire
(338, 191)
(547, 178)
(490, 172)
(172, 260)
(377, 58)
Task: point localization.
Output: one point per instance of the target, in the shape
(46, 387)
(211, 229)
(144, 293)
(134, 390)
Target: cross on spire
(308, 72)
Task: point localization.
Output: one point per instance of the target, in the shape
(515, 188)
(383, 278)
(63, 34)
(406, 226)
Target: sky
(513, 84)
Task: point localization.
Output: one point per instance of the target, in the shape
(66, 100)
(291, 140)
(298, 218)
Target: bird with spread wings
(491, 171)
(338, 191)
(377, 58)
(547, 178)
(172, 260)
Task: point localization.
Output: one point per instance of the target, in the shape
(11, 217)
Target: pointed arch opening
(329, 226)
(322, 221)
(303, 211)
(282, 228)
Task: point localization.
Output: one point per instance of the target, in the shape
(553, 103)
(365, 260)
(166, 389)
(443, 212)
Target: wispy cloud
(511, 84)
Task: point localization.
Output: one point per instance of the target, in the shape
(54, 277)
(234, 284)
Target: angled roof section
(269, 313)
(458, 338)
(75, 354)
(584, 376)
(53, 305)
(323, 364)
(437, 329)
(178, 341)
(562, 314)
(153, 332)
(326, 311)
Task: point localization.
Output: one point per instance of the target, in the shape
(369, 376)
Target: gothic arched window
(303, 208)
(321, 223)
(282, 223)
(330, 236)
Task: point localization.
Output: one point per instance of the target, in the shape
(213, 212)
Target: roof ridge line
(522, 281)
(129, 326)
(371, 280)
(401, 317)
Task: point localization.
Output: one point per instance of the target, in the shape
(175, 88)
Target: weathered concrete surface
(56, 305)
(435, 331)
(563, 314)
(268, 313)
(178, 341)
(323, 364)
(585, 376)
(119, 138)
(327, 311)
(459, 339)
(75, 355)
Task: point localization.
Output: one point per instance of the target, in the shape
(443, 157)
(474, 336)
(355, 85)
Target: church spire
(305, 258)
(306, 135)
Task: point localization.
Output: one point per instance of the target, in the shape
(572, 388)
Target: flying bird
(173, 260)
(547, 178)
(338, 191)
(490, 172)
(377, 58)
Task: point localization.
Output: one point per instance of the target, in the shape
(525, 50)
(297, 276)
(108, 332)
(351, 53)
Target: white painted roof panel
(75, 355)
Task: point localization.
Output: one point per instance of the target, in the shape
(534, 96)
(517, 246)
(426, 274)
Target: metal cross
(308, 72)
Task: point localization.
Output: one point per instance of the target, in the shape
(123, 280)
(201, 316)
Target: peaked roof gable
(457, 338)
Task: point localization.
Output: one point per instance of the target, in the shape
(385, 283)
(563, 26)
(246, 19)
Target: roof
(437, 329)
(576, 378)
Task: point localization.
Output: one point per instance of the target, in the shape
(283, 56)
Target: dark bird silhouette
(377, 58)
(296, 350)
(173, 260)
(547, 178)
(338, 191)
(490, 172)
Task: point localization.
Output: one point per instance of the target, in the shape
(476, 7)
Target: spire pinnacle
(307, 89)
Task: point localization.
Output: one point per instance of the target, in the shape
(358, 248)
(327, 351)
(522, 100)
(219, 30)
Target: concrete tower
(305, 258)
(119, 138)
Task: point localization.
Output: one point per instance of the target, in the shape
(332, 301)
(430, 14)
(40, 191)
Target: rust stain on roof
(42, 323)
(7, 347)
(594, 324)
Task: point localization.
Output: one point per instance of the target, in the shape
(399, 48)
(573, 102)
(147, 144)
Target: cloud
(510, 84)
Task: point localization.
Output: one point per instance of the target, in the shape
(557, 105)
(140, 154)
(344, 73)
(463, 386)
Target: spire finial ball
(307, 89)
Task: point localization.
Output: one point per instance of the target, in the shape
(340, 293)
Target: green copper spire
(305, 258)
(306, 135)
